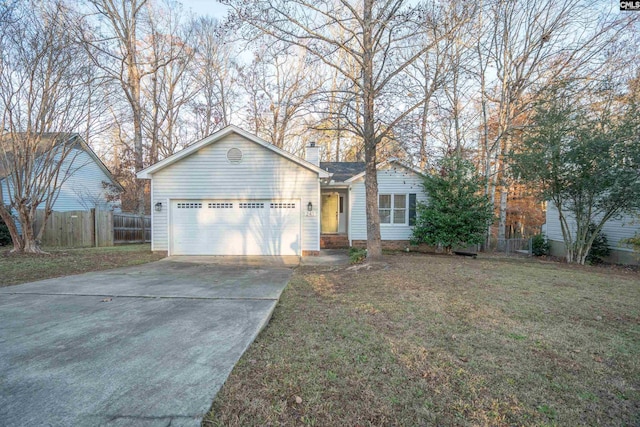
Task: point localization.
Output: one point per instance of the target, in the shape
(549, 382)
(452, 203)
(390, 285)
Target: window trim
(393, 208)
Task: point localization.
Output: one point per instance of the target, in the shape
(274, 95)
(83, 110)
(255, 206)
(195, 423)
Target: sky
(206, 7)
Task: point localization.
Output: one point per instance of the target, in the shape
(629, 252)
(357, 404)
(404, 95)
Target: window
(251, 205)
(398, 209)
(189, 205)
(282, 205)
(220, 205)
(384, 208)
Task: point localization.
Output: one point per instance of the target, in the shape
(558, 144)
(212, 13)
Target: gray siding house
(616, 230)
(233, 193)
(83, 186)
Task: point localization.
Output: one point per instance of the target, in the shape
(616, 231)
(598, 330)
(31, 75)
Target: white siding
(83, 189)
(262, 174)
(614, 229)
(393, 179)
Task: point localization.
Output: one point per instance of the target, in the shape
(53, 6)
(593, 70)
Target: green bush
(633, 241)
(457, 214)
(5, 237)
(599, 248)
(357, 255)
(539, 245)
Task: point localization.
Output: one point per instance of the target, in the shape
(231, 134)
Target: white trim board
(145, 173)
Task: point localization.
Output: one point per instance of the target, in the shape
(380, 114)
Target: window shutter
(412, 209)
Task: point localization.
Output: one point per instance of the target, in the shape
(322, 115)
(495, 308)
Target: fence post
(94, 227)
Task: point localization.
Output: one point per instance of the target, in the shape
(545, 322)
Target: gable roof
(342, 170)
(387, 163)
(45, 142)
(49, 140)
(145, 173)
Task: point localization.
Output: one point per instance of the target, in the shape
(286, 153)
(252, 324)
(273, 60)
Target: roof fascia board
(99, 162)
(75, 138)
(145, 173)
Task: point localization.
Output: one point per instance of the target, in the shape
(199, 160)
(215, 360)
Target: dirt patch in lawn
(433, 340)
(15, 269)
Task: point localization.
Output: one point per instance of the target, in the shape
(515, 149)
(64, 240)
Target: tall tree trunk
(18, 245)
(423, 135)
(505, 149)
(502, 222)
(374, 246)
(29, 242)
(137, 142)
(338, 136)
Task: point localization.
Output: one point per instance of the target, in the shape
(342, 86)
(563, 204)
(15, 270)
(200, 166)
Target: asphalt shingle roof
(343, 170)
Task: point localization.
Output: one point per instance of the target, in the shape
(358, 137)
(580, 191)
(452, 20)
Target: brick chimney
(312, 154)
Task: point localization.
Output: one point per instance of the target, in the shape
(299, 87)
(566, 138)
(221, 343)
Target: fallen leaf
(298, 400)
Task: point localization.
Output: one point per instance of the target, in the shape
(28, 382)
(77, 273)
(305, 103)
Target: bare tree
(280, 84)
(332, 135)
(528, 47)
(42, 100)
(372, 34)
(166, 92)
(215, 75)
(116, 47)
(436, 77)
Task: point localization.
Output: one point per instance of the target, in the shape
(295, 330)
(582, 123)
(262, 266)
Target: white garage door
(235, 227)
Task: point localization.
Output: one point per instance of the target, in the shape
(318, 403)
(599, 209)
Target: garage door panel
(232, 227)
(284, 220)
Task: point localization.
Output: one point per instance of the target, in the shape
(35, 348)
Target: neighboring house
(83, 188)
(233, 193)
(616, 230)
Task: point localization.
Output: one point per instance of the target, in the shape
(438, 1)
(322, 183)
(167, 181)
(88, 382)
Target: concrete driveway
(145, 345)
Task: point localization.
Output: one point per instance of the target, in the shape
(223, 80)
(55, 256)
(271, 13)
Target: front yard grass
(15, 269)
(435, 340)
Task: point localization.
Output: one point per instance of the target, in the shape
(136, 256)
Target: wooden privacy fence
(131, 228)
(77, 229)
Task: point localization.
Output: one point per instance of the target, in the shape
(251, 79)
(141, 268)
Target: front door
(329, 213)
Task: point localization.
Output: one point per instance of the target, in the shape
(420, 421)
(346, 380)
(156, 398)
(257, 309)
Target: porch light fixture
(309, 206)
(158, 206)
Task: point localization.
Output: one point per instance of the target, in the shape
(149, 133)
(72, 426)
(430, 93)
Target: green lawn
(435, 340)
(16, 269)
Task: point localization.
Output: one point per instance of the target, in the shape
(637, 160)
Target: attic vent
(234, 155)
